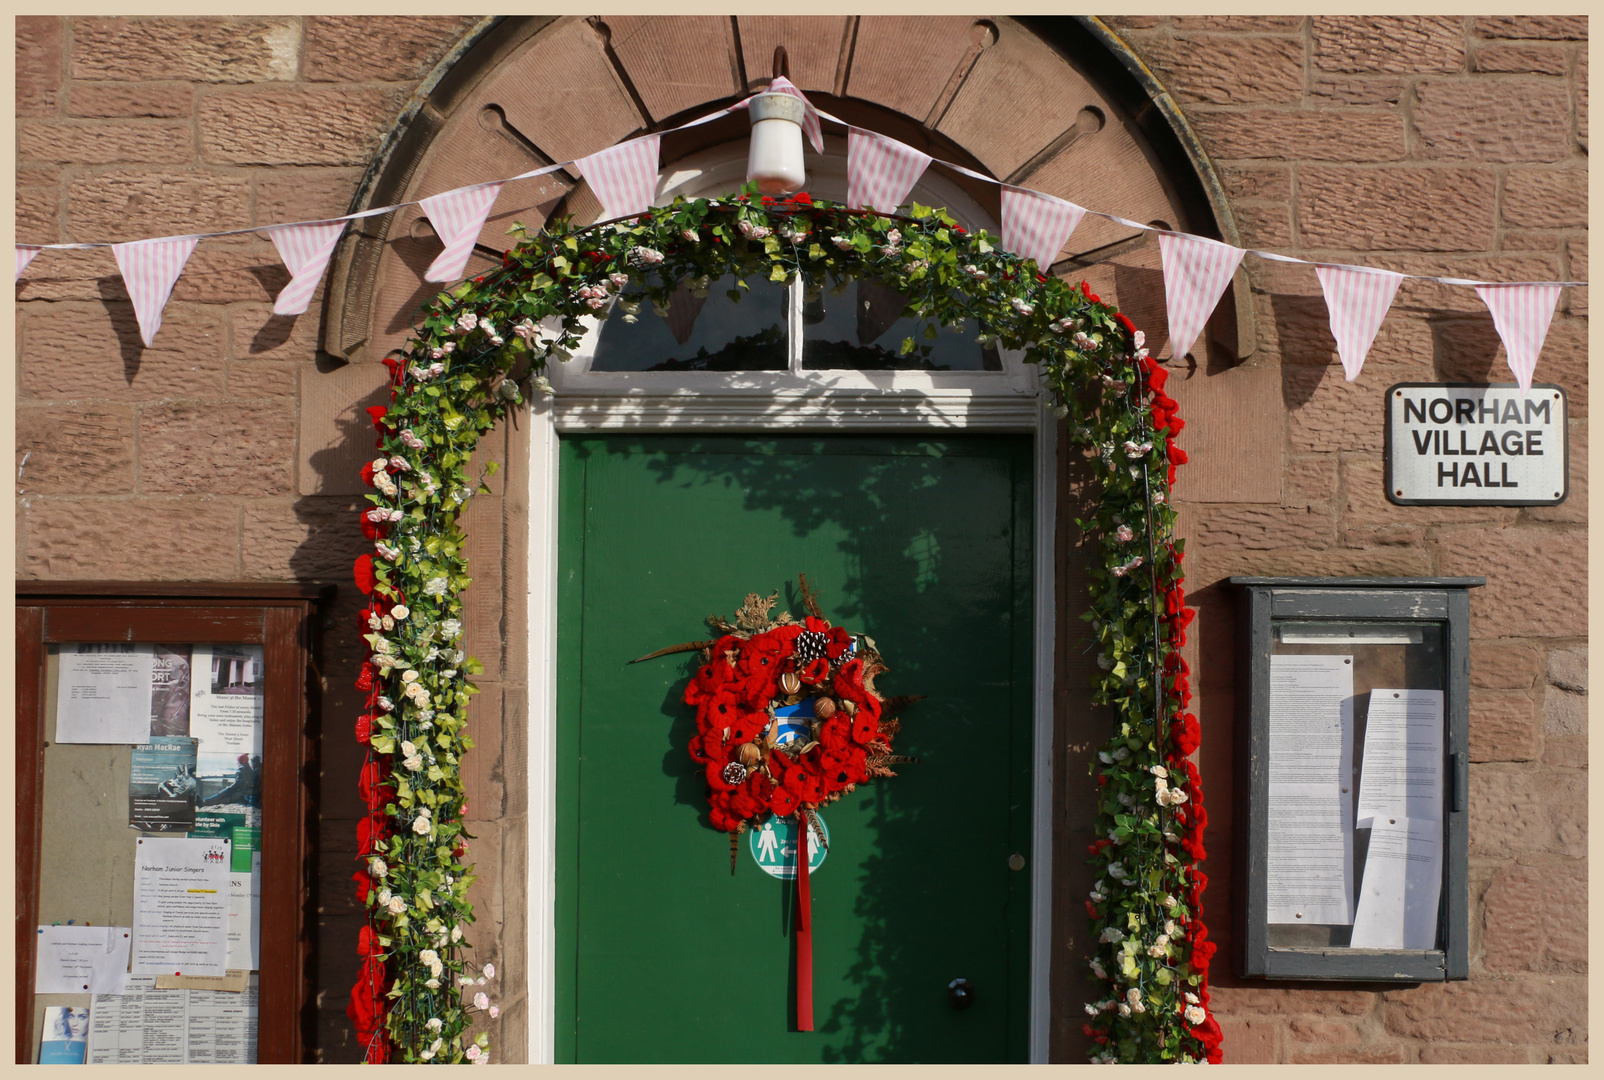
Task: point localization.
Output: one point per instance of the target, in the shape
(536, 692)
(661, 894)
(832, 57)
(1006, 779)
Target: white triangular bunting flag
(624, 177)
(1196, 272)
(26, 253)
(305, 250)
(1522, 314)
(457, 216)
(1357, 300)
(810, 118)
(150, 269)
(1037, 226)
(880, 171)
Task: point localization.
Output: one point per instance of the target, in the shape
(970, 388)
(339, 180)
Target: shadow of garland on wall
(473, 348)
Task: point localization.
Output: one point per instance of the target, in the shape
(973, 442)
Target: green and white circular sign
(773, 845)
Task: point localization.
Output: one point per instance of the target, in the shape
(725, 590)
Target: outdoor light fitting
(775, 159)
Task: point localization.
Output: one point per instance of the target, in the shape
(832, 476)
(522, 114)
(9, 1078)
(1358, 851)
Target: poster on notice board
(162, 786)
(103, 693)
(65, 1039)
(225, 716)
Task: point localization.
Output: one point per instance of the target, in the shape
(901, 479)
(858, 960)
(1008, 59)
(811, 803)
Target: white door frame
(766, 402)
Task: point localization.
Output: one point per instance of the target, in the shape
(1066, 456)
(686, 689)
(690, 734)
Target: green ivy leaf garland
(473, 348)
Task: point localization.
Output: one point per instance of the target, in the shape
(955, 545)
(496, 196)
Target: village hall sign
(1451, 444)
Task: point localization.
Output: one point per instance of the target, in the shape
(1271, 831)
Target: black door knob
(960, 993)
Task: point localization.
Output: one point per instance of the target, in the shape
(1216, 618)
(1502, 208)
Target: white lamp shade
(775, 159)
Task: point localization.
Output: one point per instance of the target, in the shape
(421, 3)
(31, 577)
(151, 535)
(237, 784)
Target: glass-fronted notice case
(1352, 830)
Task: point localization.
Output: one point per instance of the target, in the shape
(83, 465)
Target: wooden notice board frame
(278, 617)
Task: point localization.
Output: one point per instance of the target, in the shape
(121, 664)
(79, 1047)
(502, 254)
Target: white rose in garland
(479, 342)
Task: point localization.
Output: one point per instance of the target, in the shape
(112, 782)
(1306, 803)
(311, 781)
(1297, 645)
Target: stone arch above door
(1055, 104)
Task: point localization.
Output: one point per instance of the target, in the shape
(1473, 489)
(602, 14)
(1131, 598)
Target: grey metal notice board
(1352, 827)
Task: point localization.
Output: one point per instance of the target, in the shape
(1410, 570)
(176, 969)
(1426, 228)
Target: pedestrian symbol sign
(773, 846)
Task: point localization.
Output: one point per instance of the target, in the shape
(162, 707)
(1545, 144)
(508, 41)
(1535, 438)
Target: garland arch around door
(477, 342)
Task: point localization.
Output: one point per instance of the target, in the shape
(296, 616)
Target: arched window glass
(853, 325)
(704, 329)
(859, 325)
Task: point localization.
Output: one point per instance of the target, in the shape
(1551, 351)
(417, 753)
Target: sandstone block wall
(207, 457)
(1452, 146)
(1438, 145)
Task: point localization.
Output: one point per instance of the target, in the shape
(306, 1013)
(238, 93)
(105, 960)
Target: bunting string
(1522, 314)
(880, 173)
(150, 269)
(26, 253)
(623, 176)
(1037, 226)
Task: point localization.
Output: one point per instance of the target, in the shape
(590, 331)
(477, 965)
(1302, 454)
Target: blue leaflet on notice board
(65, 1039)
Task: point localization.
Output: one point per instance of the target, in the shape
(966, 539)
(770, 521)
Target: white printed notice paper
(1310, 865)
(104, 693)
(181, 904)
(1402, 882)
(225, 714)
(1400, 801)
(79, 959)
(1401, 773)
(147, 1026)
(225, 699)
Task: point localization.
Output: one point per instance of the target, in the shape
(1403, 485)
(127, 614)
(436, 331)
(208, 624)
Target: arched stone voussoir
(1031, 103)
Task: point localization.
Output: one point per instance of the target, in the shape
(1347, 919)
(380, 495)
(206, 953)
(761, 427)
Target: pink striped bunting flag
(1037, 226)
(1521, 313)
(150, 269)
(880, 171)
(1357, 300)
(26, 253)
(810, 119)
(1196, 272)
(683, 308)
(624, 177)
(457, 217)
(305, 250)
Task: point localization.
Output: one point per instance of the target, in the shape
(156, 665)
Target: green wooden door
(925, 545)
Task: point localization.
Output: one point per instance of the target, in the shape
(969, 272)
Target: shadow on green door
(923, 544)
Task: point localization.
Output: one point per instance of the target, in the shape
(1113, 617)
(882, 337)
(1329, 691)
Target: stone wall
(1453, 146)
(208, 456)
(1447, 146)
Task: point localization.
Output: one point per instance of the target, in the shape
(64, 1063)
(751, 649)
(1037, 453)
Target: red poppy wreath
(757, 765)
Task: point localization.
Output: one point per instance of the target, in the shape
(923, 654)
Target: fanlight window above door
(731, 325)
(725, 325)
(842, 336)
(859, 325)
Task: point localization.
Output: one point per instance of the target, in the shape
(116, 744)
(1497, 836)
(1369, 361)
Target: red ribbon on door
(804, 932)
